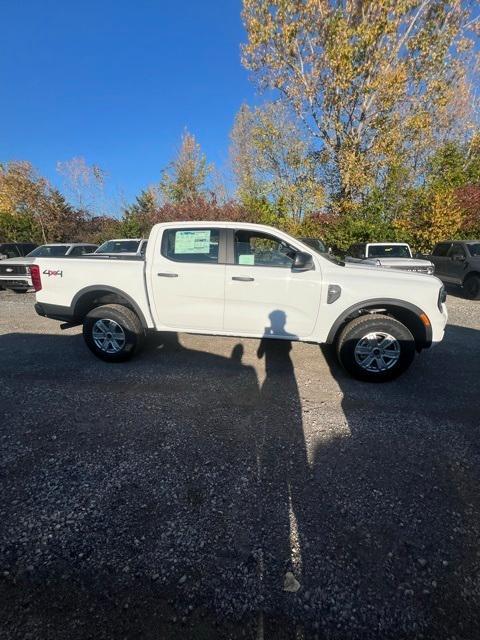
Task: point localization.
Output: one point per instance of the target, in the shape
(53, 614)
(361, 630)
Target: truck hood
(376, 273)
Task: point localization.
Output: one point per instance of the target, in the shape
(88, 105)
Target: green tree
(186, 176)
(137, 217)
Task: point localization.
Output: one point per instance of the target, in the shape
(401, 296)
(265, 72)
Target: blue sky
(117, 82)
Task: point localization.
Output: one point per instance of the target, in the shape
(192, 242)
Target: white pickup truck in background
(389, 255)
(245, 280)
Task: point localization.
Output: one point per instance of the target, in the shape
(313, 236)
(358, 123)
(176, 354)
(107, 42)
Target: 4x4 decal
(52, 272)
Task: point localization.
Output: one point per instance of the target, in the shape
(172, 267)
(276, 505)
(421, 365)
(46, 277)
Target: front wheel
(375, 348)
(113, 332)
(471, 286)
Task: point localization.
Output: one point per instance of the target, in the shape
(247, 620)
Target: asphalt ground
(169, 496)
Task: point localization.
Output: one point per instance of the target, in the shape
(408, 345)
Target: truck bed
(65, 280)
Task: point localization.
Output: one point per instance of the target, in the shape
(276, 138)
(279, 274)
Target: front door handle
(168, 275)
(243, 278)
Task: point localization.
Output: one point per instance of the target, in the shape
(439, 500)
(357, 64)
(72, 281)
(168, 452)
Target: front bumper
(439, 322)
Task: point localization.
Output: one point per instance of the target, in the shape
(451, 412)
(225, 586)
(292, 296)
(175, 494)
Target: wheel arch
(94, 296)
(405, 312)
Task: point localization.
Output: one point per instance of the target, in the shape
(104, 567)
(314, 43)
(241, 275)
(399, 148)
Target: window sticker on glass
(192, 241)
(248, 258)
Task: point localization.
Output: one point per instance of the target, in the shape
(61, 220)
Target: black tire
(471, 287)
(130, 325)
(20, 290)
(396, 358)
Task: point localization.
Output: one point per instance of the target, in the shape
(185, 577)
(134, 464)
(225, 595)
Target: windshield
(49, 250)
(474, 249)
(119, 246)
(389, 251)
(315, 244)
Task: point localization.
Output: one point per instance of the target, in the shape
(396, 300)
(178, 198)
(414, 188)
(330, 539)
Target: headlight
(442, 297)
(431, 270)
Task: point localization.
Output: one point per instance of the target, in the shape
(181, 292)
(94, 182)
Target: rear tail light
(36, 279)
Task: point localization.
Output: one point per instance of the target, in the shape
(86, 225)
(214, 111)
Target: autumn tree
(377, 84)
(272, 160)
(23, 197)
(31, 209)
(186, 176)
(83, 184)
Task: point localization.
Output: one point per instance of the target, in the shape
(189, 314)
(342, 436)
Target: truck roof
(220, 223)
(381, 244)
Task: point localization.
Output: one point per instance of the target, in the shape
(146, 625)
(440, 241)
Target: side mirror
(302, 262)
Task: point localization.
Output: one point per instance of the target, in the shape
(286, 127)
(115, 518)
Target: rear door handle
(168, 275)
(243, 278)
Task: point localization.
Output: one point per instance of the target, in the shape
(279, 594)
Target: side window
(457, 250)
(260, 249)
(191, 245)
(441, 249)
(76, 251)
(10, 250)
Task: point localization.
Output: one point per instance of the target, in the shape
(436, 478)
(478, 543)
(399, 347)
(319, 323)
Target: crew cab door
(441, 261)
(263, 294)
(187, 279)
(457, 263)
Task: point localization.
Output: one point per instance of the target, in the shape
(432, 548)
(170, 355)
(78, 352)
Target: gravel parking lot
(168, 497)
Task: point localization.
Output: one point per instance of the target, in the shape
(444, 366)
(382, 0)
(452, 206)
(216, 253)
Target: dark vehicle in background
(389, 255)
(15, 249)
(15, 273)
(458, 263)
(315, 243)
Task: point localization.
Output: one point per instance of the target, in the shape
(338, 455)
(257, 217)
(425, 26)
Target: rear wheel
(471, 286)
(20, 290)
(375, 348)
(113, 332)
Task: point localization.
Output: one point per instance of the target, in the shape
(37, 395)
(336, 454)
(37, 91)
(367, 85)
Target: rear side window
(389, 251)
(441, 249)
(81, 251)
(191, 245)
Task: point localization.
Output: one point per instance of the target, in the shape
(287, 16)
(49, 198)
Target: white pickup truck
(389, 255)
(235, 279)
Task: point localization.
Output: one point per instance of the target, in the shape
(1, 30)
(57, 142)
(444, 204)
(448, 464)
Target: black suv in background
(458, 262)
(15, 249)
